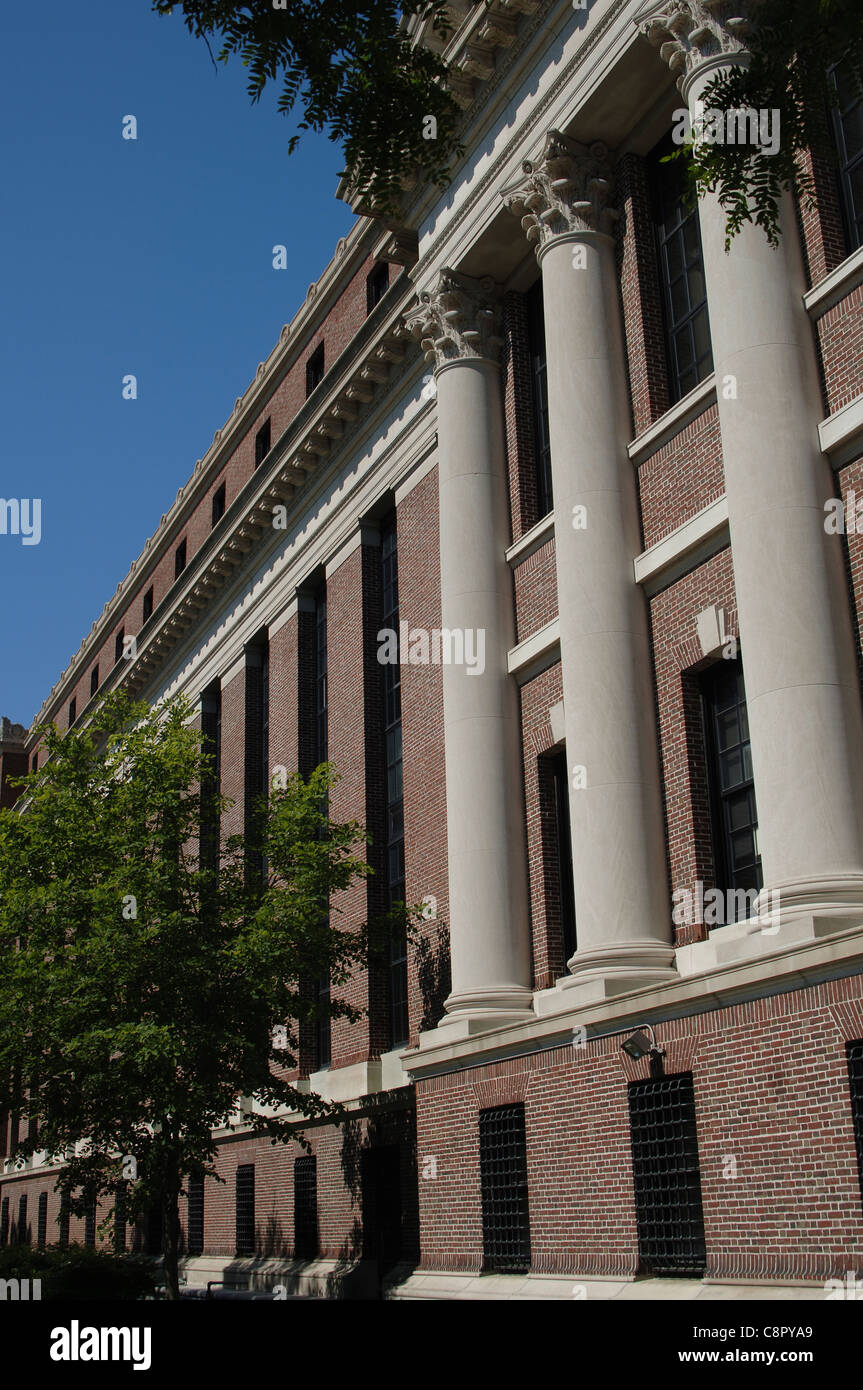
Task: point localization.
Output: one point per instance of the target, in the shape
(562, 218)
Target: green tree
(793, 46)
(355, 72)
(146, 983)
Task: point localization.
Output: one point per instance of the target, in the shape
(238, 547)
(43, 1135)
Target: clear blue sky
(151, 257)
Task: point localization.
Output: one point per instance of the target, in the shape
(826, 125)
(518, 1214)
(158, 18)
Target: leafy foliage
(353, 70)
(143, 989)
(80, 1273)
(793, 45)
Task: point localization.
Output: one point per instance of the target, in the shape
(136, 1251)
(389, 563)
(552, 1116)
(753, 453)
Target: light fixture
(642, 1043)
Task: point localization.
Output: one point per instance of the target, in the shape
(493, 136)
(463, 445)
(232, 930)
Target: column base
(478, 1011)
(824, 896)
(612, 970)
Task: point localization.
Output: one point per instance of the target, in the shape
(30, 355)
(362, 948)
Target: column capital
(566, 190)
(458, 319)
(689, 33)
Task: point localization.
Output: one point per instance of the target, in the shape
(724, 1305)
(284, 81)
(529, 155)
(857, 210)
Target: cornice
(332, 413)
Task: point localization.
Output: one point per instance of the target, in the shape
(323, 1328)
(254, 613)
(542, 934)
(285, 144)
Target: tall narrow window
(120, 1207)
(4, 1221)
(563, 848)
(245, 1209)
(323, 1022)
(257, 739)
(503, 1186)
(147, 609)
(90, 1223)
(211, 732)
(34, 763)
(848, 128)
(195, 1216)
(23, 1228)
(395, 831)
(306, 1207)
(73, 709)
(42, 1221)
(262, 443)
(118, 645)
(377, 283)
(666, 1176)
(315, 369)
(180, 558)
(217, 507)
(94, 681)
(539, 396)
(734, 815)
(63, 1222)
(681, 272)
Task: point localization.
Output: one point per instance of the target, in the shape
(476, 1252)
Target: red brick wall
(682, 477)
(535, 580)
(840, 342)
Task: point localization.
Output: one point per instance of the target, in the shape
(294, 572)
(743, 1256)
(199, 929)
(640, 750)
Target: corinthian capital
(459, 318)
(688, 32)
(566, 190)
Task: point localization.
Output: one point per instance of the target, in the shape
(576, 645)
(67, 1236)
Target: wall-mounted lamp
(642, 1043)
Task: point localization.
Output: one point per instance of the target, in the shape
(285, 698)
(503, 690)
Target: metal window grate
(666, 1176)
(63, 1223)
(246, 1209)
(855, 1081)
(4, 1221)
(90, 1224)
(42, 1221)
(23, 1234)
(120, 1216)
(306, 1207)
(195, 1216)
(503, 1180)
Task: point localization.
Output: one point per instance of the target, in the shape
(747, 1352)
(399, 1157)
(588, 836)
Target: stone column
(796, 637)
(622, 903)
(457, 324)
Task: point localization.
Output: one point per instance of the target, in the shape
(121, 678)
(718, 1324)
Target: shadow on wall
(434, 976)
(379, 1163)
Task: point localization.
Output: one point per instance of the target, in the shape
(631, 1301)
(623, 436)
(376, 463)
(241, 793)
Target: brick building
(545, 412)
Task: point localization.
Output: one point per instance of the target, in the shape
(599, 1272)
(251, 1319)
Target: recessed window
(118, 645)
(4, 1221)
(306, 1207)
(681, 273)
(539, 400)
(63, 1223)
(848, 129)
(72, 712)
(377, 284)
(147, 611)
(734, 815)
(42, 1221)
(180, 558)
(94, 681)
(218, 505)
(195, 1216)
(90, 1223)
(557, 853)
(262, 442)
(854, 1052)
(34, 763)
(503, 1187)
(394, 798)
(23, 1228)
(120, 1210)
(315, 370)
(666, 1177)
(245, 1209)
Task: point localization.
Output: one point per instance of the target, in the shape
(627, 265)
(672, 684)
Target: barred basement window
(681, 272)
(855, 1080)
(4, 1221)
(503, 1182)
(63, 1223)
(42, 1221)
(848, 128)
(180, 558)
(306, 1207)
(90, 1223)
(395, 821)
(734, 814)
(245, 1211)
(195, 1216)
(666, 1175)
(377, 284)
(23, 1232)
(315, 370)
(217, 506)
(118, 645)
(262, 443)
(147, 610)
(539, 394)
